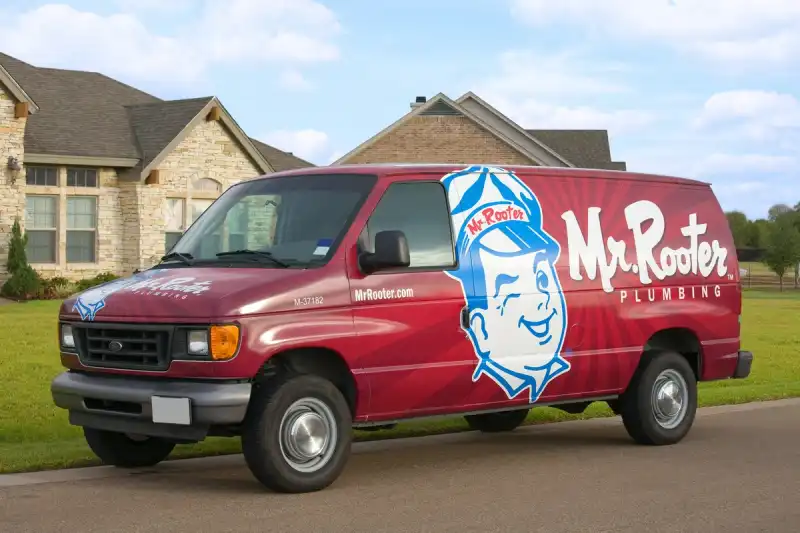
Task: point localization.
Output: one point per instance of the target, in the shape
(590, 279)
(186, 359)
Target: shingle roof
(583, 148)
(156, 124)
(89, 114)
(279, 159)
(80, 113)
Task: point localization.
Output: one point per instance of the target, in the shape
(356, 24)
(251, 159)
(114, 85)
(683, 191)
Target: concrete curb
(184, 465)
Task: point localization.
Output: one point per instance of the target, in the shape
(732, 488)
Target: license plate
(177, 411)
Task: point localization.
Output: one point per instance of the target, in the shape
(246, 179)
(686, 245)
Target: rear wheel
(497, 422)
(127, 451)
(297, 434)
(660, 404)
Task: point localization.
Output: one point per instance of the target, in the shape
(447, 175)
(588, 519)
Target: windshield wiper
(255, 253)
(186, 259)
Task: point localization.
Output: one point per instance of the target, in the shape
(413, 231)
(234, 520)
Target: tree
(759, 231)
(795, 214)
(23, 282)
(783, 245)
(17, 258)
(740, 228)
(777, 210)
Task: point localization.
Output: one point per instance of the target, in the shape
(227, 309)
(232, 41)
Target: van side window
(420, 211)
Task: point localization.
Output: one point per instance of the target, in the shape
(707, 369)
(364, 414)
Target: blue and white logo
(517, 310)
(90, 302)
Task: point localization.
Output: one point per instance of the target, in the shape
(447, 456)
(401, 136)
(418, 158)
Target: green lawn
(35, 435)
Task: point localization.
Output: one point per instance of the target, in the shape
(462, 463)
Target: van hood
(183, 293)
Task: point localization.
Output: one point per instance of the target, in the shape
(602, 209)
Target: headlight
(198, 342)
(67, 338)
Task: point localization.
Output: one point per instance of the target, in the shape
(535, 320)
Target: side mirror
(391, 251)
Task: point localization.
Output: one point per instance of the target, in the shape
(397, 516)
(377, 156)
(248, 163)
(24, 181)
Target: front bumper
(124, 404)
(744, 362)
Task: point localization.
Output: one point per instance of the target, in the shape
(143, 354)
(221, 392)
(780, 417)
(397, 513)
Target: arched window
(206, 185)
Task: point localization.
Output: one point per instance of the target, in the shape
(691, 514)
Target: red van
(305, 303)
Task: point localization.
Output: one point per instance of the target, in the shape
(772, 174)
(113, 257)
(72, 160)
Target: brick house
(469, 130)
(104, 177)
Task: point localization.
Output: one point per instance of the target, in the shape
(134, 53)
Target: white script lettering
(598, 255)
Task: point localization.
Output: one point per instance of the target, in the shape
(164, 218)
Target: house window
(427, 227)
(212, 243)
(81, 177)
(41, 217)
(41, 176)
(173, 221)
(198, 206)
(206, 185)
(237, 222)
(81, 229)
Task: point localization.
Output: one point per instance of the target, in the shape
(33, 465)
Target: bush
(27, 284)
(56, 288)
(17, 258)
(24, 284)
(99, 279)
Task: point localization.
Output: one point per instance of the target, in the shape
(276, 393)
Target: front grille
(124, 346)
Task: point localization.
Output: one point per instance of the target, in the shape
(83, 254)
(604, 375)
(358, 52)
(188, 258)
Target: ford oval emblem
(115, 346)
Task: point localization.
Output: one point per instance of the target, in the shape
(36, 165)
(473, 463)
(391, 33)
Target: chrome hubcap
(308, 435)
(670, 399)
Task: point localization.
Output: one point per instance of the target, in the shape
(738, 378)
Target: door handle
(465, 317)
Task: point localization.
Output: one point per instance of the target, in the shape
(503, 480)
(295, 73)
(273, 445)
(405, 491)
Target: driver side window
(419, 210)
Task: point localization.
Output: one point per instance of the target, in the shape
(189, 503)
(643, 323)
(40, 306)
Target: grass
(35, 435)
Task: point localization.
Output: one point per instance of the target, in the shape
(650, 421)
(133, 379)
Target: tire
(118, 449)
(497, 422)
(267, 449)
(638, 405)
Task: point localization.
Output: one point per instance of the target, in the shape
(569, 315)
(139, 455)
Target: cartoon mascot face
(517, 310)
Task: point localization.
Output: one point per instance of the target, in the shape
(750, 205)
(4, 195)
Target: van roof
(393, 169)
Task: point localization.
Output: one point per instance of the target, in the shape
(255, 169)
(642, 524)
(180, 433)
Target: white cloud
(723, 30)
(532, 113)
(562, 74)
(121, 45)
(294, 80)
(309, 144)
(338, 154)
(746, 164)
(273, 30)
(161, 6)
(128, 47)
(539, 91)
(756, 115)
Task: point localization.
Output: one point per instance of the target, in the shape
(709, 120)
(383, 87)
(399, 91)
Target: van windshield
(275, 222)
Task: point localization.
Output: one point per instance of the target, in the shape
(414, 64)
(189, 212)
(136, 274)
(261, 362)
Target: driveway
(737, 471)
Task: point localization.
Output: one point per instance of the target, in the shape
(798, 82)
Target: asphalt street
(738, 470)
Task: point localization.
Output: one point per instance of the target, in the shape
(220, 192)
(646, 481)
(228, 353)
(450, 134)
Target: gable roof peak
(15, 88)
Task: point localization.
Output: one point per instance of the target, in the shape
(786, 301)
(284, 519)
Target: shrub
(56, 289)
(99, 279)
(17, 258)
(24, 284)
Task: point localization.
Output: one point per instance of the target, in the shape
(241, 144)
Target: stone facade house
(104, 177)
(469, 130)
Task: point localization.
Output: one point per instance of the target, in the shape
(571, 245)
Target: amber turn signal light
(224, 341)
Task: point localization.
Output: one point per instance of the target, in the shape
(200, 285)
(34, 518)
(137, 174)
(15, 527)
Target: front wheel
(127, 451)
(660, 404)
(497, 422)
(297, 434)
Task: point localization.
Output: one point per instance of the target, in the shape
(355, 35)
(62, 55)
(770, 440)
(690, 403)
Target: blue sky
(706, 89)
